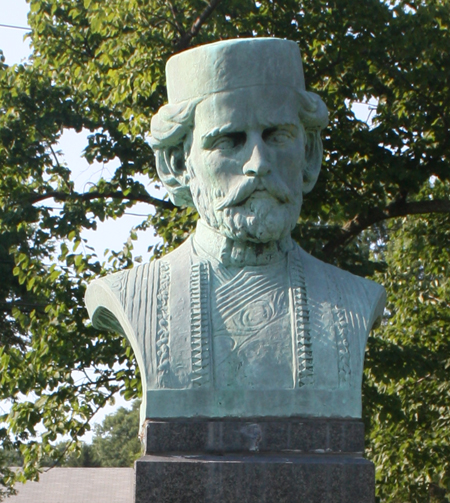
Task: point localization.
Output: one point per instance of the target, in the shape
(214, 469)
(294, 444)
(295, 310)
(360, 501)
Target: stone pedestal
(254, 461)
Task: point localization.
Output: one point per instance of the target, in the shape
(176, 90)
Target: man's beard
(259, 210)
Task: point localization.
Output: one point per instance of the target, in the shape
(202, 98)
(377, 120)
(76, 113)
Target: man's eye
(277, 136)
(228, 141)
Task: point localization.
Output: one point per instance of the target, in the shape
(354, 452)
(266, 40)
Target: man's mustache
(274, 186)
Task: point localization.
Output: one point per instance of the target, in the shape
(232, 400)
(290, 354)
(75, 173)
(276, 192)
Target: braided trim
(162, 333)
(200, 351)
(341, 334)
(302, 325)
(119, 285)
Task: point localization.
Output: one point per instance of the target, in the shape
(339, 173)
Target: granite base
(287, 461)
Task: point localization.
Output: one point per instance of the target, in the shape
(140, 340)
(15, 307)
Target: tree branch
(88, 196)
(399, 208)
(179, 27)
(185, 40)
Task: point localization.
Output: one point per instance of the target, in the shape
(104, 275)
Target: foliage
(98, 66)
(83, 457)
(408, 364)
(116, 441)
(69, 454)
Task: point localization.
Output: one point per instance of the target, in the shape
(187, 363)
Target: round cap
(233, 64)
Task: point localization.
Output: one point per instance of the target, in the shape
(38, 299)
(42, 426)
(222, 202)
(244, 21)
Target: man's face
(245, 162)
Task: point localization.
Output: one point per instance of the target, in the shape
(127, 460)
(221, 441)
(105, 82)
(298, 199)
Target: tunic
(279, 340)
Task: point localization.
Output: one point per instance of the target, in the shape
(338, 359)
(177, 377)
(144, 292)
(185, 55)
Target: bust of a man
(239, 321)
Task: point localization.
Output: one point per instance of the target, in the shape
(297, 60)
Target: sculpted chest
(289, 341)
(251, 329)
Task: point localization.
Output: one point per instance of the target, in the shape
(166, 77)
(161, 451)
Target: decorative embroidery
(246, 289)
(200, 329)
(302, 324)
(341, 334)
(118, 284)
(162, 335)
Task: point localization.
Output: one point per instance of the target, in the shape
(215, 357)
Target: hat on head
(234, 64)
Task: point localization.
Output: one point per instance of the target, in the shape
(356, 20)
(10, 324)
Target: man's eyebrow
(230, 128)
(226, 128)
(289, 125)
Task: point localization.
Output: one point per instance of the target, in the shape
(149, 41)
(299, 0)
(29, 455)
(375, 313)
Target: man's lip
(241, 203)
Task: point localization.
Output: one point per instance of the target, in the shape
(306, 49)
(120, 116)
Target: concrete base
(236, 462)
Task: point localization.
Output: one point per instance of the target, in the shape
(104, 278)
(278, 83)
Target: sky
(14, 12)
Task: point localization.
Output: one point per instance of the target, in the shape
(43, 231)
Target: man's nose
(258, 164)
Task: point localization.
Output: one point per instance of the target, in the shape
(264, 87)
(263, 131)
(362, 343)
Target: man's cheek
(289, 168)
(224, 170)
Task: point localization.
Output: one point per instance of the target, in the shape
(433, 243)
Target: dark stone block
(258, 478)
(222, 436)
(260, 461)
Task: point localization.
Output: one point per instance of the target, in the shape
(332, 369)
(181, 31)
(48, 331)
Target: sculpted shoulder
(109, 299)
(357, 294)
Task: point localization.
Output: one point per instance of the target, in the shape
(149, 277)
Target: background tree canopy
(381, 207)
(115, 443)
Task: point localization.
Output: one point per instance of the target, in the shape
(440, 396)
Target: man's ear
(174, 159)
(171, 168)
(313, 159)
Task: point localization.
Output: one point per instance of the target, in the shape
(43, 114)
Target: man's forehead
(256, 106)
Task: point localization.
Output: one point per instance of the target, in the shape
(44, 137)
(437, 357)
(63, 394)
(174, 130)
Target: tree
(116, 441)
(83, 457)
(407, 385)
(99, 66)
